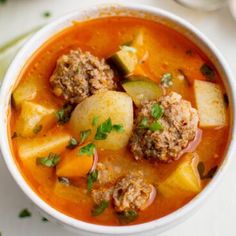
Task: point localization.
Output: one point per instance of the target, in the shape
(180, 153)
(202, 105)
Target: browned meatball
(80, 74)
(177, 126)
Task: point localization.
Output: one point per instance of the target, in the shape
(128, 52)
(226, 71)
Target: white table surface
(217, 217)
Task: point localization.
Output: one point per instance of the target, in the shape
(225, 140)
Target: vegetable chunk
(184, 180)
(74, 165)
(104, 105)
(33, 118)
(42, 146)
(210, 104)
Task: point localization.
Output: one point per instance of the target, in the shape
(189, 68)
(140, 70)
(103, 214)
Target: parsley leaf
(37, 128)
(126, 217)
(100, 208)
(84, 134)
(44, 219)
(63, 114)
(156, 111)
(208, 72)
(143, 123)
(166, 80)
(156, 126)
(3, 1)
(118, 128)
(87, 150)
(72, 143)
(47, 14)
(50, 161)
(92, 177)
(95, 120)
(24, 213)
(103, 129)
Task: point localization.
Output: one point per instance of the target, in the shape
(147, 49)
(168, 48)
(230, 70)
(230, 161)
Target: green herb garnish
(44, 219)
(72, 143)
(126, 217)
(144, 123)
(63, 115)
(47, 14)
(3, 1)
(87, 150)
(24, 213)
(208, 72)
(95, 120)
(166, 80)
(156, 126)
(103, 129)
(210, 174)
(37, 129)
(100, 208)
(50, 161)
(157, 111)
(84, 134)
(118, 128)
(92, 177)
(64, 180)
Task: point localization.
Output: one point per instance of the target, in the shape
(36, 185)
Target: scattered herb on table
(84, 135)
(92, 177)
(3, 1)
(47, 14)
(166, 80)
(44, 219)
(157, 111)
(63, 114)
(37, 129)
(87, 150)
(100, 208)
(126, 217)
(95, 120)
(24, 213)
(208, 72)
(210, 174)
(49, 161)
(72, 143)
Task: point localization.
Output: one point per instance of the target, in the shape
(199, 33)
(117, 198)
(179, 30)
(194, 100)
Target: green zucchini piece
(140, 90)
(124, 60)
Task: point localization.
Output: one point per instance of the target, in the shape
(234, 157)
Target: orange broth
(169, 52)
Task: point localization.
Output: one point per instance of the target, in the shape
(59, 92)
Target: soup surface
(118, 121)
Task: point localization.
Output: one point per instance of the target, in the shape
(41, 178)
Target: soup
(118, 121)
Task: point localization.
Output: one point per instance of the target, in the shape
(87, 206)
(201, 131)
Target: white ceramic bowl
(42, 36)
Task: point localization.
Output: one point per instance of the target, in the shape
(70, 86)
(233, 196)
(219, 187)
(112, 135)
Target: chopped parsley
(144, 123)
(50, 161)
(92, 177)
(201, 170)
(208, 72)
(44, 219)
(3, 1)
(118, 128)
(166, 80)
(87, 150)
(95, 120)
(72, 143)
(24, 213)
(100, 208)
(37, 129)
(156, 126)
(103, 129)
(157, 111)
(63, 114)
(128, 216)
(84, 135)
(47, 14)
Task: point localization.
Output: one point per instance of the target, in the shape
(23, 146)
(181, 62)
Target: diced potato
(111, 104)
(140, 90)
(73, 165)
(184, 180)
(210, 104)
(34, 118)
(69, 192)
(42, 146)
(24, 92)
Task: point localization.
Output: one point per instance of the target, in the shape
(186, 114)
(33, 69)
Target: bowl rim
(162, 223)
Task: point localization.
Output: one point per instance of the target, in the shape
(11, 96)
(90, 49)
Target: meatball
(80, 74)
(102, 194)
(131, 193)
(178, 125)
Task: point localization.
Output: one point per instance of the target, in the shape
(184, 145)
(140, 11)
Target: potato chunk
(184, 180)
(42, 146)
(33, 118)
(74, 165)
(114, 105)
(210, 104)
